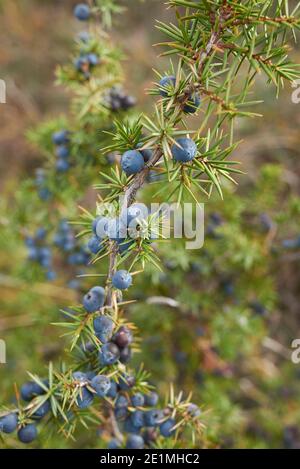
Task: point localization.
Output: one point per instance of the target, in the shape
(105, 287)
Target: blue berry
(95, 244)
(82, 12)
(103, 327)
(123, 337)
(194, 410)
(138, 400)
(62, 166)
(84, 398)
(40, 234)
(101, 384)
(122, 280)
(84, 36)
(126, 382)
(51, 275)
(61, 137)
(42, 410)
(184, 150)
(135, 442)
(114, 444)
(121, 402)
(33, 254)
(113, 390)
(192, 104)
(94, 299)
(166, 428)
(30, 390)
(100, 227)
(153, 417)
(93, 59)
(151, 399)
(28, 433)
(125, 355)
(109, 354)
(62, 152)
(44, 194)
(8, 423)
(138, 419)
(129, 427)
(80, 377)
(132, 162)
(166, 84)
(81, 63)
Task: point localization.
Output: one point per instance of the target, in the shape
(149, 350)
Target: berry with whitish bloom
(101, 384)
(166, 85)
(194, 410)
(184, 150)
(132, 162)
(135, 442)
(122, 280)
(113, 390)
(151, 399)
(138, 419)
(84, 36)
(84, 399)
(100, 227)
(138, 400)
(28, 433)
(94, 299)
(103, 327)
(51, 275)
(123, 337)
(121, 401)
(95, 244)
(192, 105)
(61, 137)
(62, 152)
(93, 59)
(109, 354)
(80, 377)
(8, 423)
(62, 166)
(153, 418)
(114, 444)
(42, 410)
(167, 428)
(32, 389)
(129, 427)
(82, 12)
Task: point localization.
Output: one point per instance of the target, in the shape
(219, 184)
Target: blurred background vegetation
(228, 340)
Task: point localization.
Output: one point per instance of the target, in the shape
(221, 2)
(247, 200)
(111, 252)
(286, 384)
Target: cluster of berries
(40, 181)
(118, 100)
(85, 64)
(41, 253)
(27, 431)
(61, 140)
(66, 241)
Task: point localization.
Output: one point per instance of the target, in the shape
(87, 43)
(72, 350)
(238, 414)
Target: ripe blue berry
(126, 382)
(122, 280)
(94, 299)
(192, 104)
(30, 390)
(113, 390)
(138, 419)
(62, 152)
(184, 150)
(28, 433)
(101, 384)
(135, 442)
(42, 410)
(100, 227)
(121, 402)
(194, 410)
(93, 59)
(153, 418)
(123, 337)
(61, 137)
(138, 400)
(82, 12)
(114, 444)
(8, 423)
(166, 428)
(151, 399)
(166, 84)
(109, 354)
(132, 162)
(62, 166)
(125, 355)
(94, 244)
(51, 275)
(80, 377)
(103, 327)
(84, 399)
